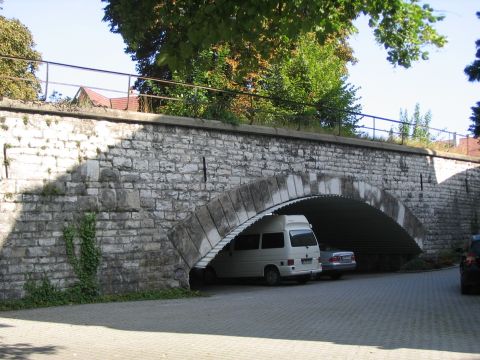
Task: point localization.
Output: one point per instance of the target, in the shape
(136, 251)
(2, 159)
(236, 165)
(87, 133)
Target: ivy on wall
(86, 263)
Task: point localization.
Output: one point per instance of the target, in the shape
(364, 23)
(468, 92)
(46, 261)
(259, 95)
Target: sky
(72, 32)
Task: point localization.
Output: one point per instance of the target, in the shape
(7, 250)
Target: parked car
(276, 247)
(336, 262)
(470, 265)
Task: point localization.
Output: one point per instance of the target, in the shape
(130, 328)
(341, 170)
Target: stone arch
(209, 228)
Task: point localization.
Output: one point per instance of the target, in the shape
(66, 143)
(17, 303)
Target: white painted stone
(401, 214)
(292, 193)
(298, 185)
(333, 186)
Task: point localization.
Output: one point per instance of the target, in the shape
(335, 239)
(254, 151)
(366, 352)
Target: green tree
(473, 73)
(421, 125)
(212, 68)
(416, 127)
(308, 83)
(160, 32)
(16, 40)
(317, 75)
(405, 125)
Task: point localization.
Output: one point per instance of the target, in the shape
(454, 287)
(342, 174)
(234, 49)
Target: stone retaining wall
(144, 174)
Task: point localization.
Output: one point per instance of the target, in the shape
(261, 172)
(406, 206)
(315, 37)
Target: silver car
(336, 262)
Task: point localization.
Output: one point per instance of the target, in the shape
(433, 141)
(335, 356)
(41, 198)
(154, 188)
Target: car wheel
(272, 276)
(464, 288)
(209, 277)
(336, 276)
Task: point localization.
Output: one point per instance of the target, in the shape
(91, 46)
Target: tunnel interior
(379, 243)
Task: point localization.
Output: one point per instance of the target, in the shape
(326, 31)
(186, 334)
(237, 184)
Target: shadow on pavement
(23, 351)
(387, 311)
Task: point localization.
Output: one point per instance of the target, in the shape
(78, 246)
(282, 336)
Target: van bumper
(288, 272)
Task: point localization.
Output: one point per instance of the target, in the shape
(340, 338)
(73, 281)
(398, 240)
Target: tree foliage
(16, 40)
(473, 73)
(295, 50)
(421, 125)
(313, 74)
(416, 127)
(405, 125)
(305, 86)
(161, 32)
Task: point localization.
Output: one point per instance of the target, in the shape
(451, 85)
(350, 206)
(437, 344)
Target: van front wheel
(272, 276)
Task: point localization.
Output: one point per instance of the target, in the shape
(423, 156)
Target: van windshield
(303, 237)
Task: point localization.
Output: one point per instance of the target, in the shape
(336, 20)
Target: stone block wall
(143, 174)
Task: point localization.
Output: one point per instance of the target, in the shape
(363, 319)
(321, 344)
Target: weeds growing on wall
(85, 265)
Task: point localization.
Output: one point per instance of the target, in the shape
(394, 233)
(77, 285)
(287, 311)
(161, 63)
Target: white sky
(72, 32)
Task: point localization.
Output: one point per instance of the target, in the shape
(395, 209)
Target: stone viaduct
(170, 192)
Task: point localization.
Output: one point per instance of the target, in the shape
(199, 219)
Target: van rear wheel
(272, 276)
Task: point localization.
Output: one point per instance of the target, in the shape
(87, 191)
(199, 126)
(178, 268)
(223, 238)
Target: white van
(276, 247)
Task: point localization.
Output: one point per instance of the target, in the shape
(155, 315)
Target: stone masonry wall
(143, 174)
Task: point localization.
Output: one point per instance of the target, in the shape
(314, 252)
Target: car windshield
(303, 237)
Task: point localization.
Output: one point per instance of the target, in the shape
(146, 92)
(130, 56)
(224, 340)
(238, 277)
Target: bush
(416, 264)
(443, 258)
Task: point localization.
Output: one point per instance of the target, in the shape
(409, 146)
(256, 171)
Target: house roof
(96, 99)
(121, 103)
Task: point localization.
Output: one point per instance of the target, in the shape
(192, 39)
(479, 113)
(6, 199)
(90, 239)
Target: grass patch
(168, 294)
(45, 295)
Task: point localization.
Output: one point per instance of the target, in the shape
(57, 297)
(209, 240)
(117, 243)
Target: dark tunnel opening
(379, 243)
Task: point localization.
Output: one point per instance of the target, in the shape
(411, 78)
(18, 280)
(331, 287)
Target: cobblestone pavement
(380, 316)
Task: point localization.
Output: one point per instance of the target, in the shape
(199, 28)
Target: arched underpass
(379, 243)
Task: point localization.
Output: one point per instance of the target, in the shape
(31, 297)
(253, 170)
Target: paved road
(381, 316)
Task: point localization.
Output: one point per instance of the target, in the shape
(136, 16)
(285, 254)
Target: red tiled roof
(121, 103)
(96, 99)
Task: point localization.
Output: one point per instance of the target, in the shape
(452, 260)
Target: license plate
(307, 261)
(346, 258)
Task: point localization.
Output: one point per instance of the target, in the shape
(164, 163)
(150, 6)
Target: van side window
(302, 238)
(272, 241)
(247, 242)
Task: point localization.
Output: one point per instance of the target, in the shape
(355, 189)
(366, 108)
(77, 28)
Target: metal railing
(250, 106)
